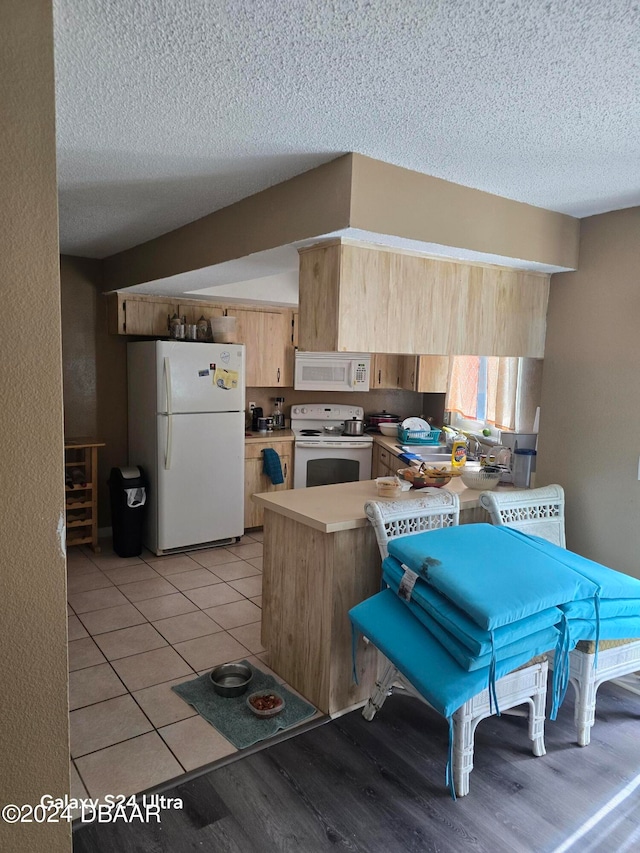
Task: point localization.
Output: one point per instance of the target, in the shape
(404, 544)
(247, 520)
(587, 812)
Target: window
(499, 392)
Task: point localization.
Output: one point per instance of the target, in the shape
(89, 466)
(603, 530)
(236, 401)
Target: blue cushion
(618, 628)
(496, 578)
(545, 640)
(610, 608)
(476, 640)
(391, 627)
(612, 584)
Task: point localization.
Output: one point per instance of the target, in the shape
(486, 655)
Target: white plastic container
(524, 461)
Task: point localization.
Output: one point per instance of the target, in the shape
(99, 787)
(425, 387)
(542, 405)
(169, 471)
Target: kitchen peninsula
(320, 559)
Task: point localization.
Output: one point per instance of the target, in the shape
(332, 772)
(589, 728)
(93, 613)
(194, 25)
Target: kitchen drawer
(255, 448)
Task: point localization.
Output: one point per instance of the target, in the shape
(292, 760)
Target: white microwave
(332, 371)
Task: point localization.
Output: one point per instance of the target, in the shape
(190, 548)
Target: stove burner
(310, 432)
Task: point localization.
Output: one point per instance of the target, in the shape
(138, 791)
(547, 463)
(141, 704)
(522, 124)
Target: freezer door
(196, 377)
(200, 480)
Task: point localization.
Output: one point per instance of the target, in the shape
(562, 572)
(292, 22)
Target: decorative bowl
(231, 679)
(265, 703)
(480, 480)
(426, 481)
(431, 478)
(390, 430)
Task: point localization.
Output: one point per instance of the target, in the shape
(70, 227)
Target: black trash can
(128, 492)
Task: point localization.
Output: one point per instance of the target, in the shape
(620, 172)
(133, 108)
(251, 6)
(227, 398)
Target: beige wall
(358, 192)
(34, 742)
(316, 202)
(390, 200)
(591, 392)
(95, 370)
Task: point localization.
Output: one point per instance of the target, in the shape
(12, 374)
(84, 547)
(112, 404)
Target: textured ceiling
(170, 109)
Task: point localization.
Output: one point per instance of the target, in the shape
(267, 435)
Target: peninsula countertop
(341, 506)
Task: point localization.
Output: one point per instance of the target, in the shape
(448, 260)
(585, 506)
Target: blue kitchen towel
(272, 467)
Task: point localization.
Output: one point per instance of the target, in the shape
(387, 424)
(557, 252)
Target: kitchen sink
(437, 453)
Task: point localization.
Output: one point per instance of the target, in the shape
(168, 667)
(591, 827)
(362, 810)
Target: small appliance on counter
(278, 414)
(256, 415)
(374, 420)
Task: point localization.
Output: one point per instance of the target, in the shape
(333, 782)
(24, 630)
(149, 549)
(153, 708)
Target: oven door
(323, 464)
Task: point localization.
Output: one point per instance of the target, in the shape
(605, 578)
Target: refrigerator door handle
(167, 384)
(169, 444)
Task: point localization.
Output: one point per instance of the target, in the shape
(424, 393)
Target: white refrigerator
(186, 430)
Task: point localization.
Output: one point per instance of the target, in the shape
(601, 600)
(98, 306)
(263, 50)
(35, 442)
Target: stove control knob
(303, 411)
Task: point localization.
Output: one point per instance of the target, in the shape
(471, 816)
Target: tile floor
(137, 626)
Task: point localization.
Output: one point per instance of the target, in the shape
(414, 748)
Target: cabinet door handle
(285, 470)
(412, 378)
(278, 374)
(380, 377)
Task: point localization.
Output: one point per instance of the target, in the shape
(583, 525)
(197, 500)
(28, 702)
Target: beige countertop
(341, 506)
(268, 437)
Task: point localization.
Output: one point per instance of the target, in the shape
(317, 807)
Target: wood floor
(379, 788)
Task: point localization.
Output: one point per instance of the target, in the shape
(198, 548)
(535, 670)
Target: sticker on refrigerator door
(204, 372)
(226, 379)
(225, 357)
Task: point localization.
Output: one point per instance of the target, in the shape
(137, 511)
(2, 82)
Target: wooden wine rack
(81, 497)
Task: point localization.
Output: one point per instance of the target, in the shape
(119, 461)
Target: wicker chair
(540, 512)
(528, 684)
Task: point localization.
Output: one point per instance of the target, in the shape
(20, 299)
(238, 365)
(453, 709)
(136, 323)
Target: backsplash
(405, 404)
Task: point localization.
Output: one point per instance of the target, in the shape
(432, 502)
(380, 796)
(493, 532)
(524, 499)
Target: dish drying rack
(419, 436)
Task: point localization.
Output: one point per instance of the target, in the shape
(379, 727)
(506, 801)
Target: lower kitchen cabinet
(385, 464)
(256, 481)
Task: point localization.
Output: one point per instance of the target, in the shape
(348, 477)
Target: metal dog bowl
(231, 679)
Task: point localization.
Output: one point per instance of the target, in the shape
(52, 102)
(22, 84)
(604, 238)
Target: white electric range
(321, 458)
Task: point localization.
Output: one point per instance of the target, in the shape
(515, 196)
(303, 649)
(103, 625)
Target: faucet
(474, 447)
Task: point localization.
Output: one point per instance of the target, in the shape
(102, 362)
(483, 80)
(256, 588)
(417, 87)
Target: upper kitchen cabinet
(362, 298)
(268, 338)
(194, 310)
(139, 314)
(386, 371)
(423, 373)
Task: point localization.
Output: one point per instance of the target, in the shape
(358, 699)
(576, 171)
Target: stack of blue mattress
(492, 598)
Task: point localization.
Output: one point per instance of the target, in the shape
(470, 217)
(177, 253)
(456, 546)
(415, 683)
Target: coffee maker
(256, 413)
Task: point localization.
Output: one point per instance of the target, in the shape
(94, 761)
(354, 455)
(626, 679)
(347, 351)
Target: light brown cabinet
(139, 314)
(385, 371)
(425, 373)
(267, 336)
(363, 298)
(270, 336)
(256, 481)
(81, 491)
(385, 463)
(194, 310)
